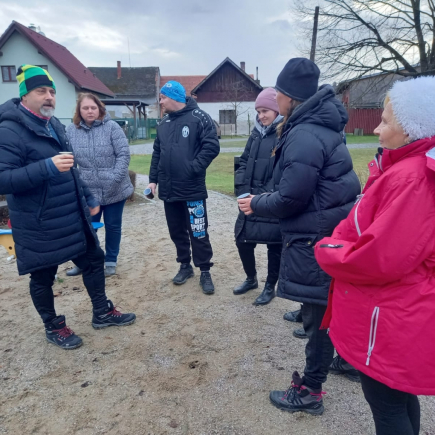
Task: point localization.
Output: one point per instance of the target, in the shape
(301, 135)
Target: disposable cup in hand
(66, 152)
(148, 193)
(243, 195)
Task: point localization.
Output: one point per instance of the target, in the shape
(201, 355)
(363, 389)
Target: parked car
(218, 129)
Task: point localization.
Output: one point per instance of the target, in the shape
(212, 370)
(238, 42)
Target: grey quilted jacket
(103, 156)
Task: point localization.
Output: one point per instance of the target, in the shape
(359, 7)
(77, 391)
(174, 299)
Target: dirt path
(191, 364)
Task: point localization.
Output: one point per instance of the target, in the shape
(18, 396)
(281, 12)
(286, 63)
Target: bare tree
(362, 37)
(236, 95)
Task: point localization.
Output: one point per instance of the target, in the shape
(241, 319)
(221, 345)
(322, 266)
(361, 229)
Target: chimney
(258, 81)
(242, 65)
(119, 69)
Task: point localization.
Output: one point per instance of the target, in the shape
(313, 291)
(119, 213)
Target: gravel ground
(190, 365)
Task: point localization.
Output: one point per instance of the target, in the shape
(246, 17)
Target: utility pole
(314, 40)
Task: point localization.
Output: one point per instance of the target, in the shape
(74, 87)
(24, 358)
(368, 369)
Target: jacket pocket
(373, 330)
(43, 204)
(299, 263)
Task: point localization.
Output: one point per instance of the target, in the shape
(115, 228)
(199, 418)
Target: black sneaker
(185, 272)
(298, 397)
(300, 333)
(110, 316)
(206, 283)
(59, 334)
(340, 366)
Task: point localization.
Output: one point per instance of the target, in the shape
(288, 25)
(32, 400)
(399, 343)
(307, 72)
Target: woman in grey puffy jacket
(103, 155)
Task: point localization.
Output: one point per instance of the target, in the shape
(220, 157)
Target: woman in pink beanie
(254, 177)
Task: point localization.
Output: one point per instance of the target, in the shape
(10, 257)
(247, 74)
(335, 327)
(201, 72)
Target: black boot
(110, 316)
(340, 366)
(300, 333)
(298, 397)
(249, 284)
(59, 334)
(266, 296)
(294, 316)
(185, 272)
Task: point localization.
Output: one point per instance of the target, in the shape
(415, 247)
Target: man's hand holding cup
(64, 161)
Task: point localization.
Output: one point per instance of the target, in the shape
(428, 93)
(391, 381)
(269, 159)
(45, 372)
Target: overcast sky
(182, 37)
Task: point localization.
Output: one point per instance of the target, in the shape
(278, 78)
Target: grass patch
(351, 139)
(235, 144)
(220, 174)
(141, 141)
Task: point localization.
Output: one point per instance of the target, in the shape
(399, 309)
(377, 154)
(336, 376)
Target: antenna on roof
(129, 59)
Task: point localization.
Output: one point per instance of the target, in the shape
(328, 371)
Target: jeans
(319, 350)
(394, 412)
(112, 223)
(247, 255)
(187, 223)
(92, 264)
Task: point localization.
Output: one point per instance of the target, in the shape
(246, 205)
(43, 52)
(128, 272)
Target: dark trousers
(92, 264)
(319, 350)
(112, 223)
(394, 412)
(247, 255)
(187, 223)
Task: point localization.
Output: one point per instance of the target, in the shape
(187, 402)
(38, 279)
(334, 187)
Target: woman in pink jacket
(381, 312)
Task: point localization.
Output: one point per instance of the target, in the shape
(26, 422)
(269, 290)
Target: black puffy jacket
(47, 212)
(315, 188)
(255, 176)
(185, 146)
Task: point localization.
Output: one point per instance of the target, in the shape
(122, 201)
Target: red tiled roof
(188, 82)
(76, 72)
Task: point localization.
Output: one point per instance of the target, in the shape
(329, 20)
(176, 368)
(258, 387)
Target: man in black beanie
(315, 188)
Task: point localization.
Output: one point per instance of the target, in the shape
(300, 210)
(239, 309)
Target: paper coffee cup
(243, 195)
(66, 152)
(148, 193)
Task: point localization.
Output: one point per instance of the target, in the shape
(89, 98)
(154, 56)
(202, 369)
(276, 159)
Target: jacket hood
(96, 123)
(323, 108)
(10, 111)
(270, 128)
(190, 105)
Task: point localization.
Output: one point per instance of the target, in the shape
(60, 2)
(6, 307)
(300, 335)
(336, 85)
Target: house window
(227, 116)
(43, 67)
(9, 74)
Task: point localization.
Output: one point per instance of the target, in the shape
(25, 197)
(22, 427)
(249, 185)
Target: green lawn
(220, 174)
(350, 139)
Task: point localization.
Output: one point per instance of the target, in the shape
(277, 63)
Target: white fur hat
(413, 104)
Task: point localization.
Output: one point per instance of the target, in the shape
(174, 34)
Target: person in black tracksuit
(255, 176)
(185, 145)
(315, 188)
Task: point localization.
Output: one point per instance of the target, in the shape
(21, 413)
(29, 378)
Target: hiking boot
(59, 334)
(249, 284)
(185, 272)
(298, 397)
(340, 366)
(300, 333)
(293, 316)
(266, 296)
(75, 271)
(110, 270)
(206, 283)
(110, 316)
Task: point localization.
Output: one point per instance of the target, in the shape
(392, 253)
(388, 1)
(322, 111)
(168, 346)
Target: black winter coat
(255, 176)
(185, 146)
(47, 212)
(315, 188)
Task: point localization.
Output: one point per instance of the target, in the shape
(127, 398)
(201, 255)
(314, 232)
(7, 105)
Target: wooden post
(314, 40)
(135, 124)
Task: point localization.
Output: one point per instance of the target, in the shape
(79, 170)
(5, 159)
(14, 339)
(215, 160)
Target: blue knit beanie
(175, 91)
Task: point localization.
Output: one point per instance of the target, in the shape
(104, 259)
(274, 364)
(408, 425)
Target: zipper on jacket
(373, 329)
(358, 201)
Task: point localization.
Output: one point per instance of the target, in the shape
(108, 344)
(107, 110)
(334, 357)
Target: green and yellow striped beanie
(31, 77)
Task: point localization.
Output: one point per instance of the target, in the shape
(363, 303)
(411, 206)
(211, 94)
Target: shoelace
(65, 332)
(115, 312)
(291, 391)
(207, 279)
(317, 395)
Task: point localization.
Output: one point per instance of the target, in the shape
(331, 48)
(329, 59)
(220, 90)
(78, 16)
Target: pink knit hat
(267, 100)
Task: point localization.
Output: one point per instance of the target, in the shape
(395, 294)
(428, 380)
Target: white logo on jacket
(185, 131)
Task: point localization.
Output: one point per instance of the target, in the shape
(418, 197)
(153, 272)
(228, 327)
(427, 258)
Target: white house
(21, 45)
